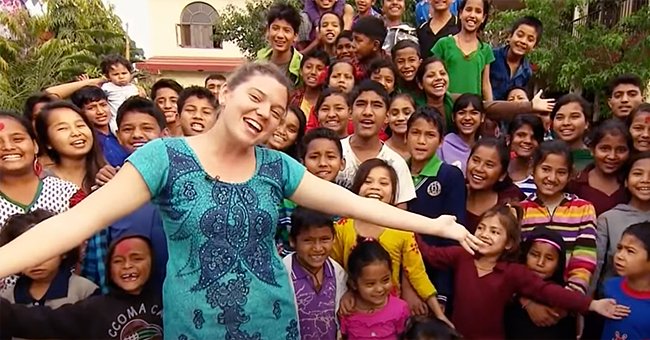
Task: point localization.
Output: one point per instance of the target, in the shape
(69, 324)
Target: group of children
(437, 123)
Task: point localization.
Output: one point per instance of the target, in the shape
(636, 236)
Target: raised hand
(542, 105)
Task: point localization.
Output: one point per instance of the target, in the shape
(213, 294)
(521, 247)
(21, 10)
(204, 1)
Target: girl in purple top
(377, 315)
(468, 117)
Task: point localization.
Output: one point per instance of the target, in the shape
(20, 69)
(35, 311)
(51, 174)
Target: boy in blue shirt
(511, 68)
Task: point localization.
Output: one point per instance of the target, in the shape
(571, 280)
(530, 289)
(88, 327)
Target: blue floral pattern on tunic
(225, 279)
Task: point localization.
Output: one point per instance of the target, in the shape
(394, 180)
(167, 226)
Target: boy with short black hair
(511, 67)
(311, 67)
(197, 108)
(94, 103)
(164, 94)
(117, 70)
(368, 34)
(282, 25)
(624, 94)
(214, 83)
(369, 103)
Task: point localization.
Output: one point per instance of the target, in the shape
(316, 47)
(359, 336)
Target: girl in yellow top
(377, 179)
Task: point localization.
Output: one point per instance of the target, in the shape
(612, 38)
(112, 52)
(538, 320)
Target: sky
(134, 13)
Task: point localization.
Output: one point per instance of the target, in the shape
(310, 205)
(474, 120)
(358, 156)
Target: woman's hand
(450, 229)
(609, 309)
(542, 105)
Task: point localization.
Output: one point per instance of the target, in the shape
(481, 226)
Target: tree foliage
(68, 39)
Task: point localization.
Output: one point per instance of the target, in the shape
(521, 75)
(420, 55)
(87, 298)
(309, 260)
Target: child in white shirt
(117, 70)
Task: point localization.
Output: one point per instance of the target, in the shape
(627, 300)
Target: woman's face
(342, 77)
(435, 80)
(254, 109)
(484, 168)
(570, 123)
(286, 133)
(611, 153)
(551, 176)
(399, 113)
(17, 149)
(334, 114)
(523, 142)
(69, 134)
(640, 131)
(378, 185)
(468, 120)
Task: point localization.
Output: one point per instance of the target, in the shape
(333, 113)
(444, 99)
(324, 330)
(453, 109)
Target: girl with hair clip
(525, 134)
(376, 179)
(469, 114)
(638, 123)
(218, 195)
(603, 182)
(401, 108)
(544, 253)
(486, 282)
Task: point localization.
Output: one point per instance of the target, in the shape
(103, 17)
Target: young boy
(94, 103)
(369, 103)
(197, 107)
(511, 67)
(119, 88)
(368, 34)
(345, 46)
(624, 94)
(384, 72)
(311, 66)
(131, 310)
(322, 155)
(365, 8)
(439, 187)
(318, 281)
(214, 83)
(165, 93)
(282, 25)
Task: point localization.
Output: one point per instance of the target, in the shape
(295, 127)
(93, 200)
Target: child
(368, 34)
(624, 94)
(571, 118)
(342, 75)
(520, 94)
(197, 110)
(164, 94)
(467, 58)
(318, 281)
(639, 126)
(282, 25)
(365, 8)
(131, 309)
(611, 224)
(525, 134)
(573, 218)
(345, 46)
(424, 328)
(632, 288)
(379, 314)
(407, 60)
(487, 180)
(369, 103)
(439, 187)
(214, 83)
(51, 283)
(469, 114)
(397, 30)
(603, 181)
(401, 108)
(333, 112)
(311, 17)
(511, 67)
(119, 88)
(544, 253)
(311, 66)
(94, 103)
(441, 24)
(490, 279)
(288, 134)
(383, 71)
(376, 179)
(330, 27)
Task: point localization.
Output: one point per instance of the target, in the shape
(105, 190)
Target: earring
(38, 168)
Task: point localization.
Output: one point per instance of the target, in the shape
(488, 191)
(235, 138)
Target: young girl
(490, 279)
(611, 224)
(333, 112)
(50, 283)
(342, 75)
(468, 58)
(401, 108)
(383, 71)
(468, 117)
(218, 193)
(602, 182)
(378, 313)
(544, 253)
(571, 116)
(330, 26)
(573, 218)
(487, 179)
(632, 288)
(288, 134)
(639, 125)
(318, 281)
(407, 60)
(377, 179)
(525, 134)
(66, 135)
